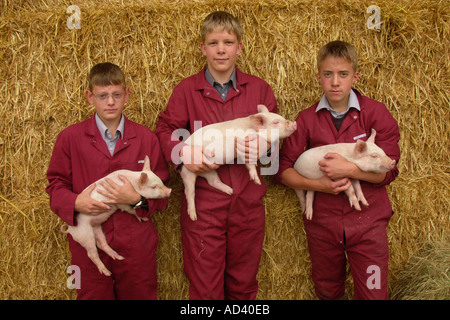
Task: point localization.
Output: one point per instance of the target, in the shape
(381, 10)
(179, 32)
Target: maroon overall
(222, 249)
(80, 157)
(336, 228)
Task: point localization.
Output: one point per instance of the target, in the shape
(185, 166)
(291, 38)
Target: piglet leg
(302, 197)
(102, 244)
(189, 179)
(359, 193)
(309, 204)
(253, 173)
(214, 181)
(350, 192)
(84, 235)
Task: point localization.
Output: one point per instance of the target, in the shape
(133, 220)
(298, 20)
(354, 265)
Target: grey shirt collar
(212, 81)
(352, 103)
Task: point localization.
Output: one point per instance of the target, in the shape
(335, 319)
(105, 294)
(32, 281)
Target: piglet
(218, 141)
(366, 155)
(88, 231)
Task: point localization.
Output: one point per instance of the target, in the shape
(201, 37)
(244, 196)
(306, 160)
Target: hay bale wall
(44, 65)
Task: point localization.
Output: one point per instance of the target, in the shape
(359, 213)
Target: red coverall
(222, 249)
(337, 228)
(80, 157)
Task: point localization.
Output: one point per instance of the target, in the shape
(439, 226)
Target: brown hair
(339, 49)
(223, 20)
(105, 74)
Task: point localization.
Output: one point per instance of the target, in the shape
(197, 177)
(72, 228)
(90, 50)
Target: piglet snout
(166, 192)
(292, 125)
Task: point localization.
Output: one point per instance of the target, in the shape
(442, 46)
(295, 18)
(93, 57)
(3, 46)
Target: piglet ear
(146, 164)
(360, 147)
(372, 136)
(258, 121)
(143, 179)
(262, 108)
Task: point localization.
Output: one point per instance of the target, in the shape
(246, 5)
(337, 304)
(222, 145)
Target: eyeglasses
(104, 96)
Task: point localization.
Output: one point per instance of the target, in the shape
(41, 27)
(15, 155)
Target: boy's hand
(251, 148)
(85, 204)
(195, 161)
(335, 187)
(125, 194)
(335, 166)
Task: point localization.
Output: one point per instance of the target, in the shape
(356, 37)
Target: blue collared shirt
(222, 89)
(107, 135)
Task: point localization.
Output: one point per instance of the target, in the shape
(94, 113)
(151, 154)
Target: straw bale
(426, 276)
(44, 67)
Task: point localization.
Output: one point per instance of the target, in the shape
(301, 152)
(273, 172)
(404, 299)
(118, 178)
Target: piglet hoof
(363, 201)
(308, 214)
(116, 256)
(105, 271)
(255, 179)
(354, 203)
(192, 215)
(229, 191)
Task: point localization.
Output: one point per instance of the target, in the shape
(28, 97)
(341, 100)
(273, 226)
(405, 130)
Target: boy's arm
(174, 117)
(291, 178)
(59, 188)
(171, 131)
(293, 146)
(63, 201)
(159, 167)
(387, 138)
(249, 149)
(335, 166)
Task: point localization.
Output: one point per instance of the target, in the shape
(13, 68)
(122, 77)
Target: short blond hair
(105, 74)
(222, 20)
(338, 49)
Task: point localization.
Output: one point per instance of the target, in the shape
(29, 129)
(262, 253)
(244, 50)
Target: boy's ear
(202, 47)
(355, 77)
(240, 48)
(90, 97)
(127, 94)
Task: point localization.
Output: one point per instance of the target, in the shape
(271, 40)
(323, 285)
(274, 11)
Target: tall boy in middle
(222, 249)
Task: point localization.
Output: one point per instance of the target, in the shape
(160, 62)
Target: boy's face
(336, 76)
(109, 101)
(221, 49)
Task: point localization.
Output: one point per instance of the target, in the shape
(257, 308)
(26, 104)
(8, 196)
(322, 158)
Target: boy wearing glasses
(89, 150)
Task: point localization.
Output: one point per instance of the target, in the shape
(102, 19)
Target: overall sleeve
(174, 117)
(387, 138)
(159, 167)
(60, 186)
(269, 98)
(293, 146)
